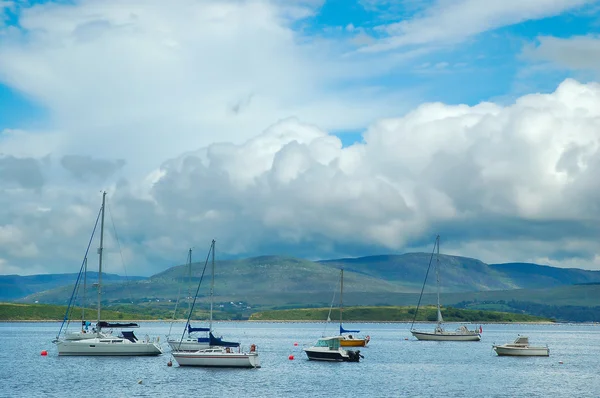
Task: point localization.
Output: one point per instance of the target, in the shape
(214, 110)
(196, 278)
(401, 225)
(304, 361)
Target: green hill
(276, 282)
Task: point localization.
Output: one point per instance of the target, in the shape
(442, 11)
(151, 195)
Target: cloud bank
(499, 183)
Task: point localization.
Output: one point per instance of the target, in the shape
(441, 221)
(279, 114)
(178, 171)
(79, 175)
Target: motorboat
(521, 348)
(329, 349)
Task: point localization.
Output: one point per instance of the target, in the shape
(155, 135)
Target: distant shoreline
(307, 321)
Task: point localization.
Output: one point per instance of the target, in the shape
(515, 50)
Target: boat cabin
(333, 343)
(521, 341)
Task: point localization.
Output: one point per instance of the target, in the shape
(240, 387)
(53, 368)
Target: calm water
(392, 367)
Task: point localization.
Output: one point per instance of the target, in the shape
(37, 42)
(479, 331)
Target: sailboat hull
(507, 350)
(447, 336)
(107, 347)
(217, 359)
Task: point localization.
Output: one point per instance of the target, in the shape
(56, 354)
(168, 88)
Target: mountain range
(287, 282)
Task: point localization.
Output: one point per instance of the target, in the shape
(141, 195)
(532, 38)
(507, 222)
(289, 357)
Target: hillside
(13, 287)
(245, 285)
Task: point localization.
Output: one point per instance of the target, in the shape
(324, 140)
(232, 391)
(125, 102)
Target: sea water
(395, 364)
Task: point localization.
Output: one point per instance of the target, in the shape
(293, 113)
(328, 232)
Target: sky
(317, 129)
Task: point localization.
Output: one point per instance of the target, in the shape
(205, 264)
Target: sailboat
(191, 342)
(100, 341)
(439, 333)
(220, 353)
(347, 340)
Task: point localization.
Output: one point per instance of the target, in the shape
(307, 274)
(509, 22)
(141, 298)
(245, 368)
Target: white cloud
(148, 81)
(514, 183)
(453, 21)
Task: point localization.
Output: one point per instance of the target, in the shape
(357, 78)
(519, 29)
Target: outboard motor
(354, 356)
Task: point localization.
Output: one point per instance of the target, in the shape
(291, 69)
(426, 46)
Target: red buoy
(295, 344)
(291, 357)
(44, 353)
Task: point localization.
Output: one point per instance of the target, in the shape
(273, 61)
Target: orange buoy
(291, 357)
(295, 344)
(44, 353)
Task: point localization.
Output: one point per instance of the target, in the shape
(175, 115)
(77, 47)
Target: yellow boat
(347, 339)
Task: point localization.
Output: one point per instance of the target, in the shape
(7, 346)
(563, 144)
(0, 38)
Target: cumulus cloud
(483, 176)
(528, 169)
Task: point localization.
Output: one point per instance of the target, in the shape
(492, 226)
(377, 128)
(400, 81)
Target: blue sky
(316, 128)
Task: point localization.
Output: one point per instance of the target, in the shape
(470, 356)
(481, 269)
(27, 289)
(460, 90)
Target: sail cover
(217, 341)
(191, 329)
(103, 324)
(342, 330)
(130, 336)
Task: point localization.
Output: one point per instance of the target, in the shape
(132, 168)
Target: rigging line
(179, 295)
(67, 312)
(424, 282)
(212, 247)
(127, 281)
(331, 306)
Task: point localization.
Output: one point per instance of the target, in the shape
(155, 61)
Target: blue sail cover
(130, 336)
(342, 330)
(103, 324)
(217, 341)
(191, 329)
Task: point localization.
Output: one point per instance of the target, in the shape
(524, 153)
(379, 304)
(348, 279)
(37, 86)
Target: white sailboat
(191, 342)
(439, 333)
(100, 342)
(220, 354)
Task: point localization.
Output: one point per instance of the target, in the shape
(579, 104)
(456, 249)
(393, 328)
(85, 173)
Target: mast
(341, 295)
(189, 278)
(437, 275)
(84, 289)
(212, 285)
(100, 249)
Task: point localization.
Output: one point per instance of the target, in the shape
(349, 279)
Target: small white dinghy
(521, 348)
